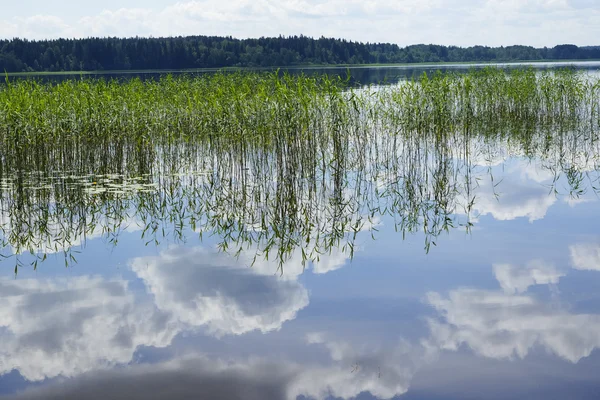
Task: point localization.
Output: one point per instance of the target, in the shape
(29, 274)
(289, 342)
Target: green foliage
(489, 98)
(94, 54)
(242, 105)
(274, 164)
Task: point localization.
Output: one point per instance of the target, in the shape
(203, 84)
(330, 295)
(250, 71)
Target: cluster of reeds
(261, 105)
(491, 99)
(240, 105)
(273, 164)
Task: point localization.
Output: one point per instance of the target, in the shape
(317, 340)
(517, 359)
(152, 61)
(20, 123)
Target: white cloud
(492, 22)
(385, 372)
(543, 6)
(66, 327)
(121, 22)
(206, 288)
(582, 3)
(519, 188)
(380, 373)
(232, 11)
(503, 326)
(574, 201)
(176, 379)
(82, 327)
(54, 240)
(35, 26)
(515, 279)
(533, 171)
(69, 326)
(585, 256)
(514, 200)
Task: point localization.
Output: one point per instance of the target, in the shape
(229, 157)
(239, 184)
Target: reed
(238, 105)
(491, 99)
(252, 106)
(277, 165)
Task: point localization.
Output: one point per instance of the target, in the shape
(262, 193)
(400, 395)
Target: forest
(98, 54)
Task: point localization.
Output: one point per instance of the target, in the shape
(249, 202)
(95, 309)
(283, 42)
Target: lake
(354, 250)
(360, 75)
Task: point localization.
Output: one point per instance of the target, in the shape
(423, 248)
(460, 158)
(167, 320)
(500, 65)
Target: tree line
(96, 54)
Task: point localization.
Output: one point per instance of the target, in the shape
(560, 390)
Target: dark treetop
(18, 55)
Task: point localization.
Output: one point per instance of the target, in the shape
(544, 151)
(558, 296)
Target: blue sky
(458, 22)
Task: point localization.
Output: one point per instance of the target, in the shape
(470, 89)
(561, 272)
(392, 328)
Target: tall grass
(241, 105)
(259, 105)
(491, 99)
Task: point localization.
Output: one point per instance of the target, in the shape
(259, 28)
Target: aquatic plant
(260, 105)
(491, 99)
(277, 165)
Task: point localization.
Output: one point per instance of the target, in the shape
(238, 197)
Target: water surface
(443, 267)
(360, 75)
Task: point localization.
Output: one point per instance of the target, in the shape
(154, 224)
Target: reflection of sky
(516, 301)
(522, 188)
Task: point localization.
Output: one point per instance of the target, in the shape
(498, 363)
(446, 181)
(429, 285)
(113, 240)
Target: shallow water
(458, 268)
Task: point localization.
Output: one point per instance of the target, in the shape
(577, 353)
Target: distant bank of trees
(92, 54)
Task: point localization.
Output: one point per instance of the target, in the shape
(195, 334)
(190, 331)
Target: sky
(449, 22)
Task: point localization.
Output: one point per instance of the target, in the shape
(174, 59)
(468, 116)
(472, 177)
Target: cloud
(380, 373)
(201, 287)
(58, 236)
(121, 22)
(385, 372)
(43, 24)
(514, 279)
(35, 26)
(515, 200)
(66, 327)
(533, 171)
(503, 326)
(329, 260)
(232, 11)
(582, 4)
(189, 378)
(574, 201)
(518, 189)
(493, 22)
(585, 256)
(542, 6)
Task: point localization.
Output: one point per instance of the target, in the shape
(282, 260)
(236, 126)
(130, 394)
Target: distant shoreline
(314, 67)
(211, 53)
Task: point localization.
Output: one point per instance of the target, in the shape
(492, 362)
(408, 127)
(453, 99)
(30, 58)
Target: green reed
(517, 99)
(276, 165)
(258, 105)
(238, 105)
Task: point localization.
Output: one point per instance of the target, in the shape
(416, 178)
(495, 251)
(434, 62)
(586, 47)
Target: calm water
(362, 75)
(464, 270)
